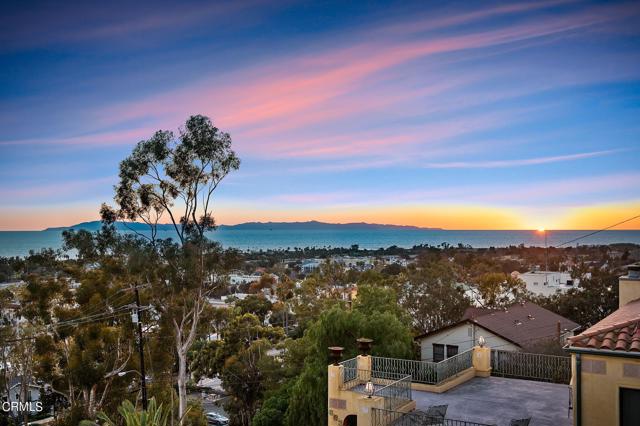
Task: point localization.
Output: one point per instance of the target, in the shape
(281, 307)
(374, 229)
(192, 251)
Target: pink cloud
(51, 191)
(268, 107)
(98, 139)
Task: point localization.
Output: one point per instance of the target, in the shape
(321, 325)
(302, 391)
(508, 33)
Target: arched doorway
(350, 420)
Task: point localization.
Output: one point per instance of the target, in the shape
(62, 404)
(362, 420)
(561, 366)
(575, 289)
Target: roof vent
(531, 317)
(517, 322)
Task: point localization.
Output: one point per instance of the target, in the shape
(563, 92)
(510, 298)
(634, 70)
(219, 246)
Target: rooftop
(520, 323)
(619, 331)
(496, 400)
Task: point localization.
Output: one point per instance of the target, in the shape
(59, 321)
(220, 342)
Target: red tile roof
(619, 331)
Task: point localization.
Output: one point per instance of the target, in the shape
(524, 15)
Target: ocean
(19, 243)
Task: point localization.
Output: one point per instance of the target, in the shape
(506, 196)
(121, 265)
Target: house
(394, 259)
(517, 328)
(13, 401)
(11, 313)
(606, 363)
(358, 263)
(482, 386)
(238, 278)
(547, 283)
(310, 265)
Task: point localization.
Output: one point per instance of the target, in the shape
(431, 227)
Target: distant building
(11, 285)
(358, 263)
(520, 326)
(606, 363)
(11, 314)
(394, 259)
(310, 265)
(547, 283)
(240, 278)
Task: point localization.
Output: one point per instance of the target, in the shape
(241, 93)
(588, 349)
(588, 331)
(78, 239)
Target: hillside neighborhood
(485, 305)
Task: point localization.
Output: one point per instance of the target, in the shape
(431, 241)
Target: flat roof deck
(496, 400)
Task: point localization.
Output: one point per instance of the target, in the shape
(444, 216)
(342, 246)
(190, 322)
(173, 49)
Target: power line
(598, 231)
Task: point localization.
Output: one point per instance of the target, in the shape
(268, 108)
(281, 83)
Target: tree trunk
(182, 383)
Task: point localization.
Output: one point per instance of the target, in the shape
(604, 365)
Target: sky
(460, 115)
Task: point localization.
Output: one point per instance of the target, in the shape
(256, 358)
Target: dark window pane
(438, 352)
(629, 407)
(452, 350)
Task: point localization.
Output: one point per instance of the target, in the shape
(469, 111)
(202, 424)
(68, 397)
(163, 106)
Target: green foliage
(155, 415)
(254, 304)
(204, 359)
(195, 415)
(375, 299)
(596, 298)
(340, 327)
(246, 376)
(274, 408)
(498, 289)
(432, 298)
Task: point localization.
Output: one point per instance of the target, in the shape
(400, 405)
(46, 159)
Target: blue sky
(459, 115)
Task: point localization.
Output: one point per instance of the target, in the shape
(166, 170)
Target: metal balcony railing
(426, 372)
(530, 366)
(394, 388)
(395, 394)
(420, 371)
(384, 417)
(450, 367)
(350, 369)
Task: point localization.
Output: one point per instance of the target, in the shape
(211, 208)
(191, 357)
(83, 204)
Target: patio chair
(520, 422)
(435, 415)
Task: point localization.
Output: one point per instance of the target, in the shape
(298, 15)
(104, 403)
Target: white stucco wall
(14, 396)
(465, 336)
(548, 283)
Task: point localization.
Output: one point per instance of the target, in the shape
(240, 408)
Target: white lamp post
(369, 388)
(481, 342)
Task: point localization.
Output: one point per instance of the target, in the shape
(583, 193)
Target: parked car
(215, 419)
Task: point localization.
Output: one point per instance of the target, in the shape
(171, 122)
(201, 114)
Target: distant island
(258, 226)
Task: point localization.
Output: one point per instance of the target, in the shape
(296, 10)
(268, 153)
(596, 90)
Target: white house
(547, 283)
(518, 327)
(240, 278)
(310, 265)
(32, 397)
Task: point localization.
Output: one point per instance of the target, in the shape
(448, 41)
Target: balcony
(479, 387)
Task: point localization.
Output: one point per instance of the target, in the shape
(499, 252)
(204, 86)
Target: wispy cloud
(517, 163)
(433, 107)
(60, 24)
(291, 93)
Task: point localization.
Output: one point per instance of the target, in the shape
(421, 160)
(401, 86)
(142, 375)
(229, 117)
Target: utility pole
(143, 383)
(546, 252)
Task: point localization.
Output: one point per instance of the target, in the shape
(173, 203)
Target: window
(438, 352)
(629, 406)
(452, 350)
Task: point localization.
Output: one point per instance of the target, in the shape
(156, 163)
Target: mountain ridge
(305, 225)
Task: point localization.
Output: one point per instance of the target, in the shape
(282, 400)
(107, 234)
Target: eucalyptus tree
(431, 296)
(172, 178)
